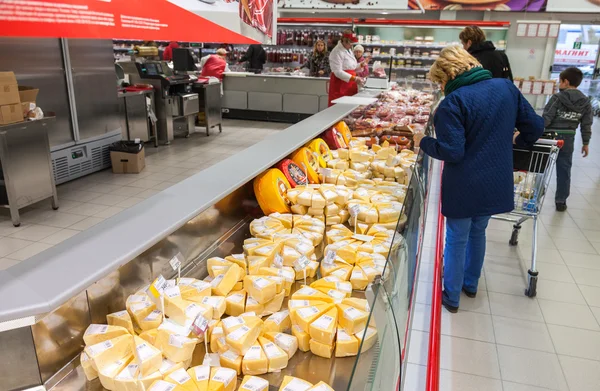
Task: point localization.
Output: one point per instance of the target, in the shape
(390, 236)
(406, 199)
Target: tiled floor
(503, 340)
(87, 201)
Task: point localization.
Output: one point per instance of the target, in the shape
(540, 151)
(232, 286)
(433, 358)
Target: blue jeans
(463, 256)
(564, 162)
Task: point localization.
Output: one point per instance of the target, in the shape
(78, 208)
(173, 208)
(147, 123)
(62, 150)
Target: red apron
(339, 88)
(214, 66)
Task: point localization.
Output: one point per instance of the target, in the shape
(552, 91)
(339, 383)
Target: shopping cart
(533, 170)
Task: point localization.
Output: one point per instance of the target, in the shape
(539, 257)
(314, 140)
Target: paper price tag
(176, 261)
(212, 360)
(301, 263)
(354, 209)
(329, 257)
(158, 286)
(278, 261)
(199, 325)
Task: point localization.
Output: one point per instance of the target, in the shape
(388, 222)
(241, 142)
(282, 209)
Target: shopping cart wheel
(531, 290)
(514, 238)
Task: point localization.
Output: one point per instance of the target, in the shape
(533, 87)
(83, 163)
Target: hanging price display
(278, 261)
(175, 263)
(158, 286)
(354, 210)
(329, 257)
(301, 264)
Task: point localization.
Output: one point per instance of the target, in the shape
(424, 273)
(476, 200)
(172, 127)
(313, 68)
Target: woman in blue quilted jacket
(474, 125)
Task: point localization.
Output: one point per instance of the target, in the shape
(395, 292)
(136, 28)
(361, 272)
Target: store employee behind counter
(255, 58)
(474, 126)
(343, 80)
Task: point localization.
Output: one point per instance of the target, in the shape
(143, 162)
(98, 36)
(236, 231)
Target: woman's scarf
(467, 78)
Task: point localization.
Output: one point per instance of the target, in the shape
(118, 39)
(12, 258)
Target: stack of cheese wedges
(279, 226)
(326, 321)
(199, 378)
(291, 383)
(325, 202)
(375, 208)
(391, 165)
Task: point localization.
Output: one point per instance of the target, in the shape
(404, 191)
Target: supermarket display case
(42, 326)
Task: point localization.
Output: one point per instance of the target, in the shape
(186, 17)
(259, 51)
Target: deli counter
(207, 215)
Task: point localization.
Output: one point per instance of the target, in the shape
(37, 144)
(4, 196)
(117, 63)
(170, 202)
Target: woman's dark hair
(473, 34)
(573, 75)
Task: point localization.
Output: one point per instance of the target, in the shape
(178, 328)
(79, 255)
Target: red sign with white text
(107, 19)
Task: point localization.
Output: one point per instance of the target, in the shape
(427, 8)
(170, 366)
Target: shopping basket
(532, 173)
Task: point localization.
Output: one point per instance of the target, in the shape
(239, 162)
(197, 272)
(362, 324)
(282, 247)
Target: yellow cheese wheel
(322, 151)
(270, 188)
(307, 161)
(343, 128)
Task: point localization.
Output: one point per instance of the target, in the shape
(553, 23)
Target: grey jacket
(566, 110)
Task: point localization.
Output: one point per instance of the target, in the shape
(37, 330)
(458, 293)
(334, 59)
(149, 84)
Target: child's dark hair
(573, 75)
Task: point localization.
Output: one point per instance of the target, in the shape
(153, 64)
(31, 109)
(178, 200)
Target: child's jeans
(463, 256)
(563, 168)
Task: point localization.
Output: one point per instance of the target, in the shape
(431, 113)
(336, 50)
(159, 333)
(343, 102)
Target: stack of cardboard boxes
(16, 102)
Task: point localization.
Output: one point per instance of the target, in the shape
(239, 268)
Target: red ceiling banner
(107, 19)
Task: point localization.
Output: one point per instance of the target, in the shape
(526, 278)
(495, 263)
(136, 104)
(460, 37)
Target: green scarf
(467, 78)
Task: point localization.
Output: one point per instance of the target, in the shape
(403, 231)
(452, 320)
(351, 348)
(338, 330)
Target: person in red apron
(215, 64)
(343, 80)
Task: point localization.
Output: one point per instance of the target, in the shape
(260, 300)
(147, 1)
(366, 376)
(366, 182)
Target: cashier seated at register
(215, 64)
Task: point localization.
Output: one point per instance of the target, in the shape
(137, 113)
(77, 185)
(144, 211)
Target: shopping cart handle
(558, 143)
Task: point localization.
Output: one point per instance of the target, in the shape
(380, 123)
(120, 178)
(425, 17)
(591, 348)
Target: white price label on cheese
(140, 306)
(119, 314)
(297, 303)
(176, 261)
(230, 355)
(253, 353)
(158, 286)
(364, 238)
(153, 315)
(297, 385)
(144, 351)
(260, 283)
(186, 281)
(215, 283)
(180, 376)
(329, 257)
(236, 297)
(301, 263)
(202, 372)
(284, 340)
(99, 348)
(239, 333)
(172, 292)
(337, 295)
(278, 317)
(161, 385)
(255, 384)
(352, 313)
(287, 275)
(342, 335)
(326, 172)
(137, 298)
(306, 312)
(278, 261)
(233, 321)
(177, 340)
(224, 376)
(192, 310)
(323, 322)
(306, 291)
(211, 360)
(96, 329)
(271, 350)
(199, 325)
(354, 210)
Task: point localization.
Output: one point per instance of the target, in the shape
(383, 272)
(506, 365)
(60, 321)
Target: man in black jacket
(495, 61)
(256, 58)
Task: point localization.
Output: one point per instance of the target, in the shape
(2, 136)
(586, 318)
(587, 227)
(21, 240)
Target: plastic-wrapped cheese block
(152, 321)
(217, 303)
(306, 160)
(303, 338)
(270, 188)
(359, 279)
(222, 379)
(147, 357)
(232, 360)
(201, 376)
(127, 379)
(182, 379)
(294, 173)
(259, 288)
(320, 349)
(254, 383)
(278, 322)
(122, 319)
(175, 347)
(278, 284)
(180, 310)
(331, 282)
(291, 383)
(254, 306)
(308, 293)
(239, 259)
(242, 338)
(255, 263)
(193, 290)
(288, 343)
(88, 369)
(321, 149)
(274, 305)
(167, 367)
(360, 304)
(107, 352)
(321, 386)
(286, 274)
(334, 138)
(346, 344)
(351, 319)
(235, 303)
(370, 337)
(278, 359)
(162, 385)
(323, 328)
(223, 284)
(303, 317)
(96, 333)
(255, 361)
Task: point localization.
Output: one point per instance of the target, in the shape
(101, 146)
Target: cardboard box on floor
(28, 96)
(128, 163)
(10, 102)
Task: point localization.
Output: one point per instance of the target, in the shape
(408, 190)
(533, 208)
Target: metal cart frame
(531, 185)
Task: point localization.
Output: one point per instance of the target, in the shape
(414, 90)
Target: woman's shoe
(448, 306)
(472, 295)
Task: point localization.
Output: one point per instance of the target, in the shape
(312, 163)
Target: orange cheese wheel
(343, 128)
(270, 188)
(322, 151)
(305, 158)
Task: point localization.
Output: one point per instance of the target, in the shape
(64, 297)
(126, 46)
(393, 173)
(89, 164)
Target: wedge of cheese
(255, 361)
(179, 310)
(323, 328)
(201, 376)
(273, 305)
(216, 333)
(346, 344)
(240, 260)
(122, 319)
(288, 343)
(278, 322)
(169, 366)
(218, 305)
(244, 337)
(222, 379)
(359, 304)
(358, 279)
(107, 352)
(367, 339)
(96, 333)
(162, 385)
(152, 321)
(320, 349)
(254, 383)
(260, 288)
(278, 359)
(224, 283)
(88, 369)
(321, 386)
(175, 347)
(127, 379)
(194, 290)
(147, 357)
(308, 293)
(352, 320)
(235, 303)
(182, 379)
(232, 360)
(303, 338)
(305, 316)
(108, 373)
(291, 383)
